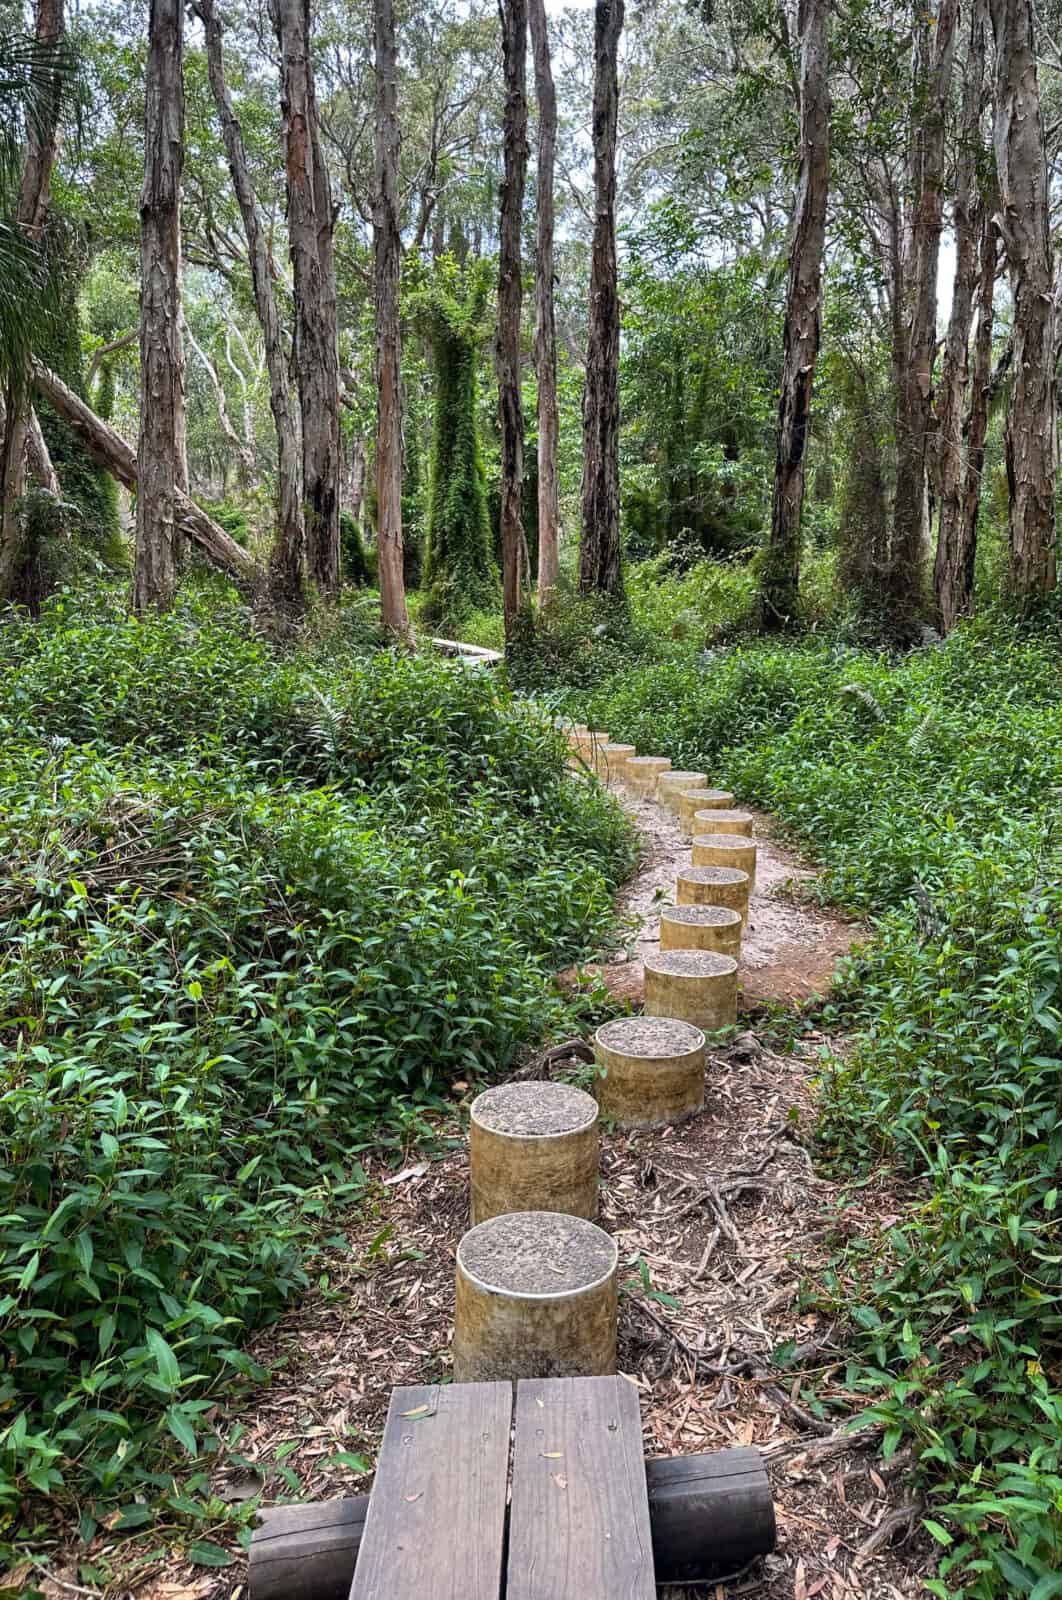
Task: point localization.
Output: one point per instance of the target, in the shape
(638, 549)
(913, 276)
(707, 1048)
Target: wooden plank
(436, 1518)
(579, 1521)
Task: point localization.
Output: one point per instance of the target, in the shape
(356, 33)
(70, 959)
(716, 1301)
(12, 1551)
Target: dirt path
(790, 948)
(719, 1222)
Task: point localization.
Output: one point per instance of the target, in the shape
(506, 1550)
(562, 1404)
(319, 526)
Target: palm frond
(34, 78)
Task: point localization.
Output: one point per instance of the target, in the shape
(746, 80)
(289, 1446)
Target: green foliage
(699, 390)
(94, 521)
(254, 915)
(459, 571)
(357, 565)
(930, 788)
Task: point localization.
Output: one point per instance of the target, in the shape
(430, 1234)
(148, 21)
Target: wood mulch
(720, 1221)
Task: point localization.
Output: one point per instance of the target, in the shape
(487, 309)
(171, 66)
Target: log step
(708, 1514)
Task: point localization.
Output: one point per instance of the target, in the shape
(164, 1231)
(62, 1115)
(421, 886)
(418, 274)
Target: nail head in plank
(579, 1522)
(436, 1518)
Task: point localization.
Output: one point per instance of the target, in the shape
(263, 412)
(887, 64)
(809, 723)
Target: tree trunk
(914, 356)
(286, 559)
(34, 195)
(953, 567)
(600, 568)
(161, 451)
(387, 262)
(510, 298)
(314, 281)
(803, 320)
(39, 457)
(1032, 436)
(545, 317)
(109, 450)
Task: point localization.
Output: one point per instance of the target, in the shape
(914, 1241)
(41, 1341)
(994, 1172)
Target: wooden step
(436, 1519)
(579, 1523)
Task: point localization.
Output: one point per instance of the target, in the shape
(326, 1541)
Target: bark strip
(545, 314)
(387, 266)
(600, 568)
(803, 320)
(510, 299)
(286, 559)
(1023, 222)
(313, 271)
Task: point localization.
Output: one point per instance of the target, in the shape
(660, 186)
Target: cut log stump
(695, 985)
(708, 1514)
(533, 1147)
(715, 886)
(701, 927)
(671, 784)
(642, 774)
(721, 821)
(651, 1071)
(614, 759)
(694, 800)
(726, 850)
(536, 1298)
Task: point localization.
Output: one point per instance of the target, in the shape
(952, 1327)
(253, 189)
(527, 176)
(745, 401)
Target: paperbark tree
(915, 322)
(510, 298)
(953, 568)
(387, 264)
(1032, 428)
(287, 557)
(30, 214)
(109, 450)
(803, 320)
(316, 352)
(161, 451)
(600, 568)
(545, 316)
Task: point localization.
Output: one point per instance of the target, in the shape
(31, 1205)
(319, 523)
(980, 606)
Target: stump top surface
(620, 749)
(649, 761)
(716, 875)
(677, 779)
(703, 916)
(706, 794)
(650, 1037)
(722, 814)
(533, 1110)
(538, 1254)
(691, 964)
(726, 841)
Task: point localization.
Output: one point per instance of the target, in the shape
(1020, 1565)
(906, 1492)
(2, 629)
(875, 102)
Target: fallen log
(710, 1514)
(111, 452)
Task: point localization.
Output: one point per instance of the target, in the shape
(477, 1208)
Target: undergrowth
(256, 914)
(929, 788)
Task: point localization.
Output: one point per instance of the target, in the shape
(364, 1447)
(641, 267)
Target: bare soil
(722, 1224)
(790, 948)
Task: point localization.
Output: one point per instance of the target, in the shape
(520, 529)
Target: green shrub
(929, 787)
(254, 915)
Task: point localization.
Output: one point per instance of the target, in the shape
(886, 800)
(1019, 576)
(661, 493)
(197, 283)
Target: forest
(392, 391)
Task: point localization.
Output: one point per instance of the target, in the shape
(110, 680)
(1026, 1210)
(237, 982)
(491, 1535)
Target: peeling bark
(545, 315)
(954, 562)
(109, 450)
(803, 320)
(510, 298)
(161, 451)
(30, 214)
(1032, 424)
(39, 457)
(600, 568)
(387, 264)
(915, 346)
(286, 558)
(316, 352)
